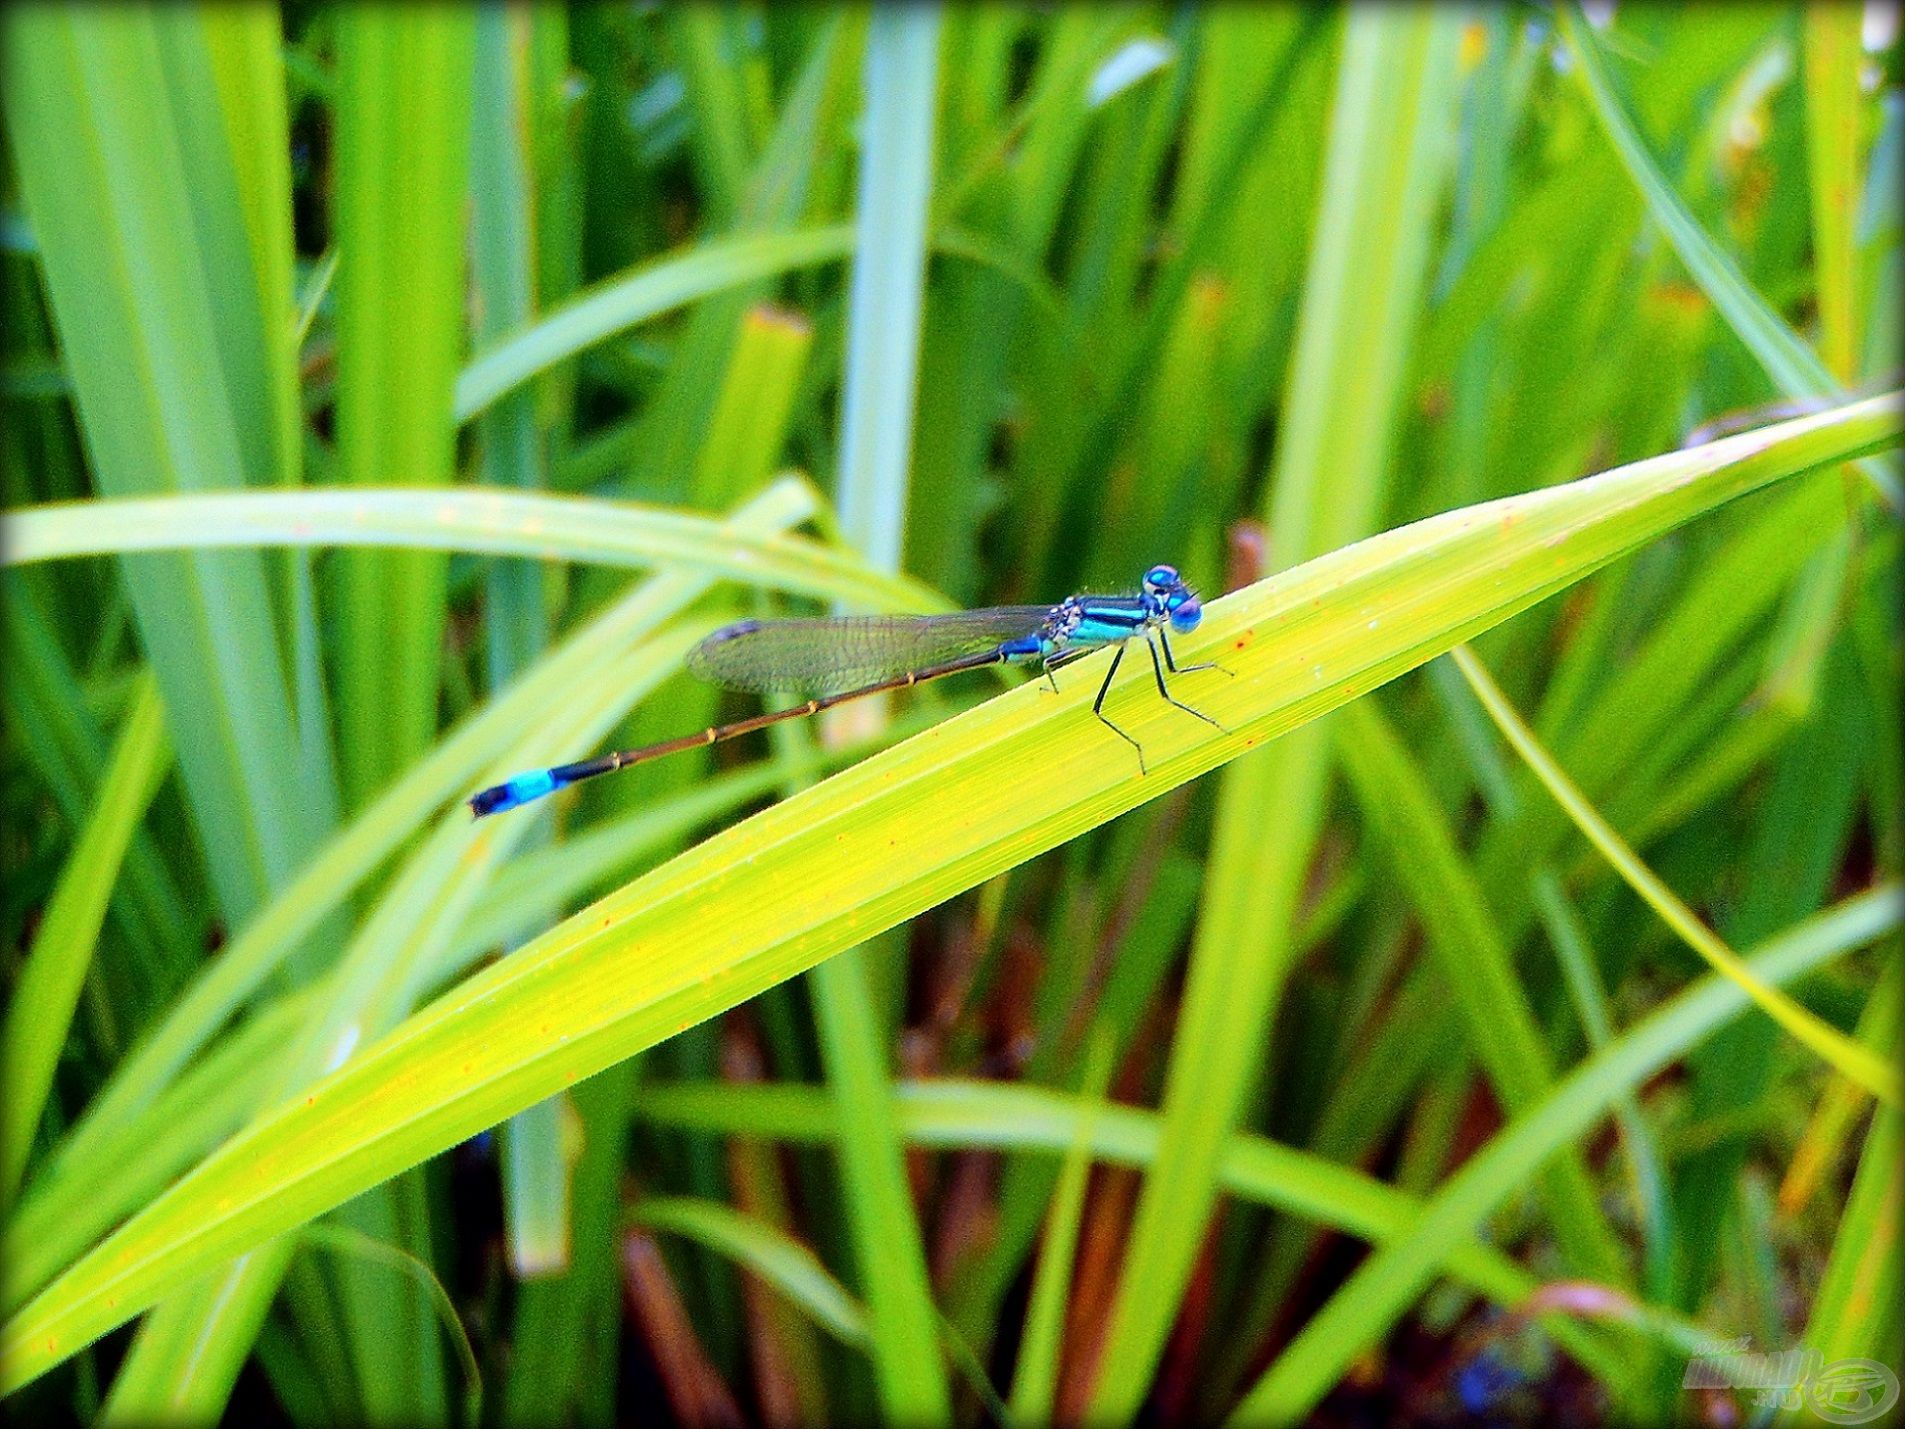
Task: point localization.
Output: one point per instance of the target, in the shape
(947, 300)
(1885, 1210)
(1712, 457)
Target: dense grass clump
(1493, 1014)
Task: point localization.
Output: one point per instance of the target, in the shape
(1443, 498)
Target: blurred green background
(1036, 297)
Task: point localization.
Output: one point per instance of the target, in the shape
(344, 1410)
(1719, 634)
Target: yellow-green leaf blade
(884, 840)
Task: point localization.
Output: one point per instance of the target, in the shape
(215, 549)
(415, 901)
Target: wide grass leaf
(502, 523)
(885, 840)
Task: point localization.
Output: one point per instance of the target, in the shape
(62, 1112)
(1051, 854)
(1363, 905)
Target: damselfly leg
(1170, 661)
(1058, 662)
(1157, 669)
(1164, 690)
(1098, 707)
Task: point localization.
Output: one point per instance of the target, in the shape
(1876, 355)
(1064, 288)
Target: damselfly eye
(1163, 577)
(1186, 613)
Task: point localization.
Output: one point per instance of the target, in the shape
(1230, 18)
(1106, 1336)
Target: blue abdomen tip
(513, 793)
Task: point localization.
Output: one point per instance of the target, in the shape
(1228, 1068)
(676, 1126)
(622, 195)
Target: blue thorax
(1085, 622)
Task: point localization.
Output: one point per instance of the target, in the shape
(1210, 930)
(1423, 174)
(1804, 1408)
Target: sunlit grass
(1577, 1009)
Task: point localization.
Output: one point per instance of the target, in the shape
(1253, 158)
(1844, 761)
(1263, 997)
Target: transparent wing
(826, 656)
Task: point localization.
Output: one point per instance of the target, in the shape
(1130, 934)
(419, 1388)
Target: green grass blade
(1035, 1378)
(1855, 1312)
(878, 843)
(1808, 812)
(889, 271)
(40, 1007)
(748, 426)
(239, 158)
(567, 1328)
(483, 521)
(675, 426)
(345, 1241)
(704, 43)
(244, 44)
(955, 1114)
(1831, 55)
(781, 1261)
(1861, 1064)
(888, 1252)
(1475, 962)
(652, 289)
(1793, 366)
(68, 750)
(876, 437)
(535, 1168)
(1832, 1121)
(1582, 971)
(659, 286)
(502, 258)
(402, 185)
(127, 235)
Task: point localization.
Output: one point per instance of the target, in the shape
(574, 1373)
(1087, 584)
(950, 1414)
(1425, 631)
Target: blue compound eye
(1186, 613)
(1163, 576)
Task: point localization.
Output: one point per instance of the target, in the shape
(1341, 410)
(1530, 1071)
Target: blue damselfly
(845, 657)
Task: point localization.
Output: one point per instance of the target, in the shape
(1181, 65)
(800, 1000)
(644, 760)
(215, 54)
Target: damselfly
(842, 658)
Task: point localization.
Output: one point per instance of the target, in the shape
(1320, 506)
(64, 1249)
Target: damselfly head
(1178, 601)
